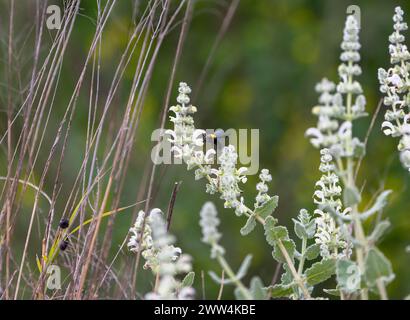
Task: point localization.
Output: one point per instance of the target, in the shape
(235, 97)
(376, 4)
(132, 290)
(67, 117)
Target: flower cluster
(187, 141)
(395, 85)
(325, 134)
(168, 264)
(209, 222)
(161, 256)
(224, 179)
(327, 197)
(148, 251)
(262, 188)
(340, 105)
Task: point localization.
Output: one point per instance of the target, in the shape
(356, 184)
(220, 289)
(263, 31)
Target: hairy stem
(231, 275)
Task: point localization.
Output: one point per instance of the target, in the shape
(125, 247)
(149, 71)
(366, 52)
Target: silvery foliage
(339, 105)
(326, 237)
(162, 257)
(395, 85)
(209, 223)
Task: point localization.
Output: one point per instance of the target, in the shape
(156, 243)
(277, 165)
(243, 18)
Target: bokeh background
(262, 77)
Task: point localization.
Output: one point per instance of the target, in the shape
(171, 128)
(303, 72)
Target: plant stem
(350, 183)
(302, 258)
(227, 269)
(298, 279)
(382, 289)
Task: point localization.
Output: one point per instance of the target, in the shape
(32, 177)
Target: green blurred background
(262, 77)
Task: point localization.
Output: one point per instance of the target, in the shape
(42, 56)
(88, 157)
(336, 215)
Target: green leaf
(300, 229)
(378, 205)
(312, 252)
(38, 264)
(332, 292)
(219, 280)
(348, 275)
(351, 196)
(290, 248)
(273, 233)
(286, 277)
(257, 289)
(188, 280)
(377, 267)
(249, 226)
(311, 229)
(359, 150)
(268, 208)
(379, 231)
(239, 294)
(280, 290)
(243, 269)
(320, 271)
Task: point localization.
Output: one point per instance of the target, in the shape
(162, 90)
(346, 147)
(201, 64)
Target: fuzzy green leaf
(377, 267)
(243, 269)
(300, 229)
(320, 271)
(268, 208)
(290, 248)
(239, 294)
(249, 226)
(379, 231)
(348, 275)
(257, 289)
(280, 290)
(378, 205)
(311, 229)
(351, 196)
(332, 292)
(286, 277)
(359, 150)
(270, 222)
(188, 280)
(272, 233)
(312, 252)
(218, 279)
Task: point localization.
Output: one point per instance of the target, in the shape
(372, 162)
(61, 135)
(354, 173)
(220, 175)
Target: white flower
(186, 293)
(329, 237)
(327, 197)
(209, 223)
(335, 111)
(224, 180)
(395, 85)
(262, 197)
(187, 141)
(227, 177)
(161, 256)
(136, 230)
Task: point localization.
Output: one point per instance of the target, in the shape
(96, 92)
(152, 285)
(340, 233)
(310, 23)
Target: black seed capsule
(63, 245)
(64, 223)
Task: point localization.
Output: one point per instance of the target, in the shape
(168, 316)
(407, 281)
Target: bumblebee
(64, 245)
